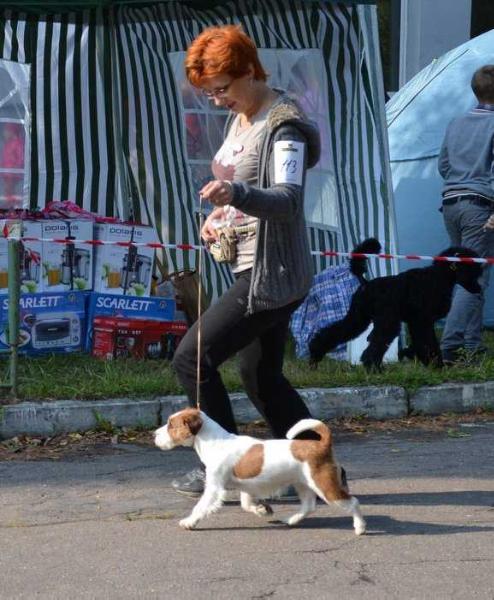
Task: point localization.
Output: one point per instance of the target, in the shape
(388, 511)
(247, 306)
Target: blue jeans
(464, 222)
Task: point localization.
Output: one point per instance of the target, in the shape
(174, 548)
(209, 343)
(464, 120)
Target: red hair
(223, 50)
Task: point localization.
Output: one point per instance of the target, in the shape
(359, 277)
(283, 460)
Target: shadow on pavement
(461, 498)
(376, 525)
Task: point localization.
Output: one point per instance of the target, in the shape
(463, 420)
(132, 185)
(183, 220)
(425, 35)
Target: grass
(79, 376)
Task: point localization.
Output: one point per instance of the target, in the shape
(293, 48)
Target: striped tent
(109, 118)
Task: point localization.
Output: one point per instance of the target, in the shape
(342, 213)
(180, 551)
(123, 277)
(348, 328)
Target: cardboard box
(66, 267)
(119, 337)
(49, 266)
(8, 228)
(120, 270)
(48, 323)
(109, 305)
(30, 256)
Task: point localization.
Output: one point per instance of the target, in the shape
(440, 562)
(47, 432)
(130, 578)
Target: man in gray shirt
(466, 163)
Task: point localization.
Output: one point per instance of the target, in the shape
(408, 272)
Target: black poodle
(418, 297)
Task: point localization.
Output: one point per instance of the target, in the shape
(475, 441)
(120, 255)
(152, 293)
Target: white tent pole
(372, 39)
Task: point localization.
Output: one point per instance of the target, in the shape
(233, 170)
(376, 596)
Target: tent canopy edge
(62, 5)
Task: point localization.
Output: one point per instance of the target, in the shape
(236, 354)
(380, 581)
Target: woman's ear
(250, 72)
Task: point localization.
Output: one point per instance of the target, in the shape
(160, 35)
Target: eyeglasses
(218, 92)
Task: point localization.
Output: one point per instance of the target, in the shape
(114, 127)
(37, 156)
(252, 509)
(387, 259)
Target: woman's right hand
(208, 232)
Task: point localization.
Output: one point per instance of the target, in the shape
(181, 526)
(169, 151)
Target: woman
(259, 189)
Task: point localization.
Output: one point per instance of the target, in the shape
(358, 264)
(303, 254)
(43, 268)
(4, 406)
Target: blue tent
(417, 117)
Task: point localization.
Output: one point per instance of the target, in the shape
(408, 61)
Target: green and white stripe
(77, 144)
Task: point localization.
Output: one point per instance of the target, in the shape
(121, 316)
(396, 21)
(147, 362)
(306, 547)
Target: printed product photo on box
(29, 259)
(8, 228)
(123, 270)
(129, 307)
(67, 266)
(29, 255)
(120, 337)
(48, 323)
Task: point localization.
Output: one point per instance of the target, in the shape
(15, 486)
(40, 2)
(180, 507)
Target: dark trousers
(464, 220)
(226, 328)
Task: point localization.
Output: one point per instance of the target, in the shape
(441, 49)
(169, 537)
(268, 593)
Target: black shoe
(191, 484)
(477, 352)
(452, 356)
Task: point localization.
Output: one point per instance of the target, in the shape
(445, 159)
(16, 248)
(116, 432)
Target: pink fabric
(12, 157)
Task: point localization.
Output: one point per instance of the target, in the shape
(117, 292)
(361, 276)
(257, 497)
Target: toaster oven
(54, 330)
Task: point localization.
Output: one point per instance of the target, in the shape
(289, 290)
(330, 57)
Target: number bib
(289, 162)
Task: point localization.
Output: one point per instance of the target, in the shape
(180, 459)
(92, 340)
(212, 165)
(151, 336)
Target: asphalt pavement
(105, 525)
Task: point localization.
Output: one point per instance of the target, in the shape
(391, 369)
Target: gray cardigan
(466, 157)
(282, 271)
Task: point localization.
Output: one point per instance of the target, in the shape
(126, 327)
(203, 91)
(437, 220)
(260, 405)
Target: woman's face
(236, 94)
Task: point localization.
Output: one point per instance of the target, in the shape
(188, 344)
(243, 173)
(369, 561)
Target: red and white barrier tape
(465, 259)
(156, 245)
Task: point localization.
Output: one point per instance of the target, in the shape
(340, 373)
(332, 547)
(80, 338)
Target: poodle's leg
(356, 322)
(425, 343)
(384, 332)
(408, 352)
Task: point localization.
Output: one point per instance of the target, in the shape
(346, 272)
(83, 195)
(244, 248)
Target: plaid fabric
(328, 301)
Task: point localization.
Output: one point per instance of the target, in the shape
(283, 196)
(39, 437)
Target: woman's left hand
(218, 192)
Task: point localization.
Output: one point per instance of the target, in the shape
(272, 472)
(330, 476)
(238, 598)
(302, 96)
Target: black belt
(473, 198)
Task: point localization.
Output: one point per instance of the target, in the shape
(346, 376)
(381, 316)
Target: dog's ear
(183, 425)
(194, 423)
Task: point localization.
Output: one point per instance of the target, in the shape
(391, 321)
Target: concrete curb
(386, 402)
(452, 398)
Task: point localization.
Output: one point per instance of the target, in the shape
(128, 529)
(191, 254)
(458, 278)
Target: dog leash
(199, 305)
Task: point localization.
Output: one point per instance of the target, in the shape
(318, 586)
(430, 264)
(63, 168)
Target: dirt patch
(96, 443)
(71, 445)
(362, 426)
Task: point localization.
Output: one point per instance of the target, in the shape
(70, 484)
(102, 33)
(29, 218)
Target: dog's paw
(262, 509)
(293, 520)
(188, 523)
(360, 527)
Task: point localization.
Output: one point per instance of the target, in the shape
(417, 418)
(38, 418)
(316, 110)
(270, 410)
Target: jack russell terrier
(260, 468)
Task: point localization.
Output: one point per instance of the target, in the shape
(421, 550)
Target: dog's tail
(311, 425)
(358, 266)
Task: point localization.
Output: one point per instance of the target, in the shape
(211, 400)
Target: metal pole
(394, 46)
(14, 297)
